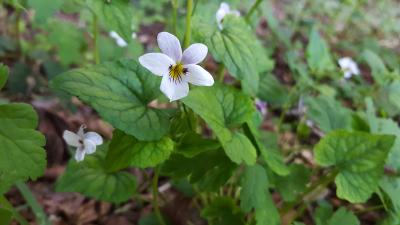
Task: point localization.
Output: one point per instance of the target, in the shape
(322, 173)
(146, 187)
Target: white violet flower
(118, 39)
(349, 67)
(177, 69)
(224, 10)
(261, 106)
(85, 142)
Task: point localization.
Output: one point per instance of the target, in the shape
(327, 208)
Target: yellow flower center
(176, 72)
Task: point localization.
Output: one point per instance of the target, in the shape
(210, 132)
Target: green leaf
(390, 185)
(342, 216)
(68, 39)
(223, 211)
(272, 91)
(91, 179)
(125, 150)
(22, 155)
(254, 194)
(193, 144)
(120, 92)
(44, 9)
(116, 15)
(379, 70)
(3, 75)
(237, 48)
(359, 157)
(328, 113)
(210, 169)
(319, 58)
(388, 96)
(294, 184)
(222, 107)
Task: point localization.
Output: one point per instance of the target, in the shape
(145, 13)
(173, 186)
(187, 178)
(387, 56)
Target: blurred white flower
(177, 69)
(118, 39)
(85, 142)
(261, 106)
(349, 67)
(224, 10)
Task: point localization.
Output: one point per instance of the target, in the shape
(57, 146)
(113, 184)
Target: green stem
(95, 39)
(16, 215)
(155, 196)
(221, 72)
(174, 4)
(188, 30)
(33, 203)
(372, 208)
(252, 9)
(17, 29)
(320, 183)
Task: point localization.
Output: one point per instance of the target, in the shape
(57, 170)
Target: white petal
(235, 12)
(121, 42)
(94, 137)
(220, 16)
(89, 146)
(347, 74)
(79, 154)
(157, 63)
(81, 131)
(345, 62)
(170, 45)
(354, 69)
(174, 90)
(113, 34)
(198, 76)
(71, 138)
(194, 54)
(225, 7)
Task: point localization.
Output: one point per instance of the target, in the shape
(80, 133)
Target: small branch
(33, 203)
(188, 30)
(155, 196)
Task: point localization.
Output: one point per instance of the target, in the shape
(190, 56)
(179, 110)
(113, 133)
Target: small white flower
(224, 10)
(177, 69)
(85, 142)
(118, 39)
(349, 67)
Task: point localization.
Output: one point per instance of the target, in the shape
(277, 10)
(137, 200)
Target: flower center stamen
(176, 72)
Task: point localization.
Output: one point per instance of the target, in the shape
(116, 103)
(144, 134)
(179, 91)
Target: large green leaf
(91, 179)
(116, 15)
(319, 58)
(255, 195)
(210, 169)
(328, 113)
(379, 70)
(120, 92)
(359, 158)
(21, 147)
(324, 216)
(238, 49)
(223, 211)
(125, 150)
(222, 107)
(3, 75)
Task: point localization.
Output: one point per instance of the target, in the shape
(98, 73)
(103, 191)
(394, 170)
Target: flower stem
(252, 9)
(95, 39)
(221, 72)
(155, 196)
(33, 203)
(188, 30)
(174, 4)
